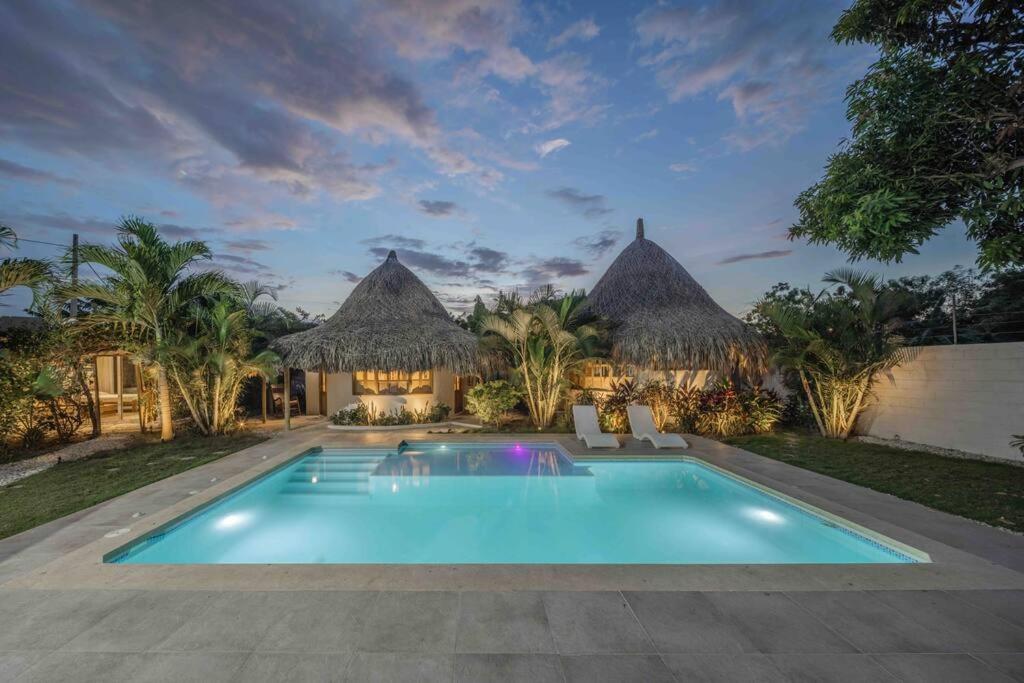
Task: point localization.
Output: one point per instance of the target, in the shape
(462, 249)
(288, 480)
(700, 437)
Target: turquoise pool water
(500, 503)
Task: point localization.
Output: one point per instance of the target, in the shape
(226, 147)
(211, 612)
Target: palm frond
(22, 272)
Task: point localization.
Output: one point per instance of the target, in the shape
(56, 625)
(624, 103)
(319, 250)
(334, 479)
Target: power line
(52, 244)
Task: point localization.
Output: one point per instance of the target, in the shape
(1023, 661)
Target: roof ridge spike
(639, 228)
(392, 255)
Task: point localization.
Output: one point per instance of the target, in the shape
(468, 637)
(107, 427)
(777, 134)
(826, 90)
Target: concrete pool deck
(69, 616)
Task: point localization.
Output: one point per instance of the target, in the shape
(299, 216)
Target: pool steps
(334, 474)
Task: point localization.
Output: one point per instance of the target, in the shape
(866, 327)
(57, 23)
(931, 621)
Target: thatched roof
(390, 321)
(663, 319)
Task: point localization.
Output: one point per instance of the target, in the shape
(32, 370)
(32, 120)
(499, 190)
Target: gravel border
(14, 471)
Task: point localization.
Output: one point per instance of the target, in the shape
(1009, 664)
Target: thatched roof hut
(664, 320)
(390, 321)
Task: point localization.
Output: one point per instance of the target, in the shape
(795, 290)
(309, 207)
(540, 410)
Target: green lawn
(72, 486)
(988, 492)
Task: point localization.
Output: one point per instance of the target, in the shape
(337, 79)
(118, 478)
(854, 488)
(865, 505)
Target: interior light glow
(313, 480)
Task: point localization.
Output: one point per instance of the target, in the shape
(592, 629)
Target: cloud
(267, 99)
(570, 86)
(438, 29)
(488, 260)
(772, 61)
(647, 135)
(437, 207)
(391, 241)
(183, 232)
(59, 221)
(599, 244)
(590, 205)
(247, 244)
(348, 275)
(435, 264)
(548, 271)
(551, 146)
(10, 169)
(774, 253)
(241, 265)
(262, 221)
(683, 167)
(463, 261)
(582, 30)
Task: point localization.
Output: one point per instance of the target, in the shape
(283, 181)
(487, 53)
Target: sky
(494, 144)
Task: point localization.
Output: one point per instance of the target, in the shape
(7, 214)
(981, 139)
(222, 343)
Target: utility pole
(74, 273)
(954, 317)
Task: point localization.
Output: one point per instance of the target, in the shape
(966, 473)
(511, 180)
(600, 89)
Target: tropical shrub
(211, 359)
(622, 393)
(660, 397)
(491, 401)
(438, 412)
(361, 414)
(727, 411)
(718, 410)
(685, 408)
(43, 389)
(544, 342)
(837, 342)
(721, 411)
(352, 414)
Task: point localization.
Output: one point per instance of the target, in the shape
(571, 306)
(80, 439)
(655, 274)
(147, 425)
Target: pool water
(501, 503)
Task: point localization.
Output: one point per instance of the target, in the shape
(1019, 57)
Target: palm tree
(210, 368)
(545, 342)
(19, 272)
(836, 344)
(148, 293)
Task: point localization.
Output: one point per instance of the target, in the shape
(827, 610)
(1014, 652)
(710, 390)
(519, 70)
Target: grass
(73, 486)
(988, 492)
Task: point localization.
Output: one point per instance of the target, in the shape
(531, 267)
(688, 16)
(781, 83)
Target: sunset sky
(494, 144)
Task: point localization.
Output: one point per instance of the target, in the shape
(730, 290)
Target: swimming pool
(446, 503)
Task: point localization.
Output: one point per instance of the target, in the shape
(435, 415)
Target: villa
(390, 345)
(665, 325)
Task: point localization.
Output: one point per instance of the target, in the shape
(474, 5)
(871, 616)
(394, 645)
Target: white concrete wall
(968, 397)
(339, 394)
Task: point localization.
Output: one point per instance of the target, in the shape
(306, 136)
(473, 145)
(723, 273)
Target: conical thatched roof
(664, 320)
(390, 321)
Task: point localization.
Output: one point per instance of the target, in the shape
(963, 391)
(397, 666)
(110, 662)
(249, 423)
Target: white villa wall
(680, 378)
(968, 397)
(339, 393)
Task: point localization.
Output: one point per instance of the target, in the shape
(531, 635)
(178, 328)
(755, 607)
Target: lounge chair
(641, 422)
(589, 431)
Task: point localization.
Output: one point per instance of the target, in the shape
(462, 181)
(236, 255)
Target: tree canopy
(937, 133)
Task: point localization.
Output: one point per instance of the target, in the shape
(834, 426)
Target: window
(391, 382)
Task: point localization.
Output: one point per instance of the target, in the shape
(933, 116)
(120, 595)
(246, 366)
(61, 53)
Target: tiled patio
(66, 616)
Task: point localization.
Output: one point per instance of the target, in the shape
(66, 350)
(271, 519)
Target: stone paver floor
(57, 626)
(114, 635)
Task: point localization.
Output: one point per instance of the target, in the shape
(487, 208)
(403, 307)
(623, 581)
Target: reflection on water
(480, 460)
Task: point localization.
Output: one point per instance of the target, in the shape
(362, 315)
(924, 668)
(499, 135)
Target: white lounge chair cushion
(641, 423)
(589, 431)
